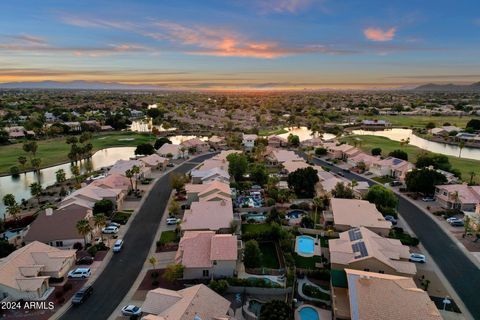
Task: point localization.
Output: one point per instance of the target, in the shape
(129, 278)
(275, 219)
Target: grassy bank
(421, 121)
(271, 132)
(367, 143)
(55, 151)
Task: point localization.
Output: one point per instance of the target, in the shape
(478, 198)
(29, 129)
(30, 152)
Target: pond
(398, 134)
(20, 186)
(304, 133)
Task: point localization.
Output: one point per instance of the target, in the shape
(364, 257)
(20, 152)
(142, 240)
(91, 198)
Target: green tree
(293, 140)
(343, 191)
(376, 152)
(76, 173)
(84, 228)
(36, 191)
(430, 125)
(252, 254)
(174, 208)
(100, 221)
(13, 209)
(438, 161)
(6, 248)
(276, 310)
(129, 175)
(303, 182)
(173, 272)
(383, 198)
(424, 180)
(399, 154)
(136, 173)
(60, 176)
(474, 124)
(160, 142)
(36, 162)
(321, 151)
(177, 181)
(153, 261)
(237, 165)
(461, 145)
(104, 206)
(22, 161)
(30, 147)
(259, 173)
(219, 286)
(144, 149)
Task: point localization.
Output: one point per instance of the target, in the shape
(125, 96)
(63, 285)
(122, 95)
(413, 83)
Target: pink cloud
(377, 34)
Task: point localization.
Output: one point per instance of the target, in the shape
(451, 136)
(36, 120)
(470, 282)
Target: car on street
(368, 173)
(131, 310)
(80, 273)
(417, 257)
(457, 223)
(82, 295)
(428, 199)
(395, 183)
(391, 219)
(346, 170)
(110, 230)
(172, 221)
(171, 165)
(118, 245)
(340, 174)
(85, 260)
(451, 219)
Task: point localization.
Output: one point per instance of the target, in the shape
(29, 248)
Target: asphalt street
(119, 275)
(460, 271)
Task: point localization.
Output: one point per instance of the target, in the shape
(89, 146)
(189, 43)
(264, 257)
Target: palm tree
(36, 190)
(461, 145)
(129, 175)
(136, 171)
(472, 175)
(153, 261)
(13, 209)
(317, 203)
(100, 221)
(183, 149)
(76, 172)
(23, 161)
(36, 162)
(84, 228)
(60, 176)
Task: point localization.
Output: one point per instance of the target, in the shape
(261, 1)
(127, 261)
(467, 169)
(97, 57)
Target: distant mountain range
(76, 85)
(431, 87)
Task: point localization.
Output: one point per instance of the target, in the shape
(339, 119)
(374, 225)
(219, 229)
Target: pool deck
(322, 313)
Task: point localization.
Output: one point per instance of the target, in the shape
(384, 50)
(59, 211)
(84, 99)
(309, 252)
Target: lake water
(437, 147)
(304, 133)
(20, 186)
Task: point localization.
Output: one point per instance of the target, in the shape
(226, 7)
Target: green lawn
(383, 180)
(367, 143)
(271, 132)
(306, 263)
(314, 292)
(269, 255)
(55, 151)
(421, 121)
(168, 236)
(260, 228)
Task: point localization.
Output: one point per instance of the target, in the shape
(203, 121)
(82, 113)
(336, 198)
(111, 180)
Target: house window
(366, 269)
(58, 243)
(206, 273)
(381, 271)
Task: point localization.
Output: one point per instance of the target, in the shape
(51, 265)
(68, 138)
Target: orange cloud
(377, 34)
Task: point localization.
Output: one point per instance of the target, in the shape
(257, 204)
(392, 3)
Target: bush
(92, 251)
(220, 286)
(155, 283)
(58, 294)
(78, 246)
(101, 246)
(270, 202)
(121, 217)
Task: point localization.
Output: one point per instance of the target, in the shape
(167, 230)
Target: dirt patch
(468, 242)
(147, 282)
(167, 247)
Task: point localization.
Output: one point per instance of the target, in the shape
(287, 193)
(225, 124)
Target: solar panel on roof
(354, 234)
(360, 249)
(397, 161)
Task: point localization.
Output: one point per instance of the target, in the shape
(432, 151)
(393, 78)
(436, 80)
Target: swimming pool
(295, 214)
(305, 245)
(308, 313)
(259, 217)
(254, 306)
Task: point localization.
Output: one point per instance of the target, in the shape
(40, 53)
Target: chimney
(49, 211)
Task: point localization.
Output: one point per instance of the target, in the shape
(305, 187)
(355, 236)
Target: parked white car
(80, 273)
(110, 230)
(417, 257)
(171, 221)
(131, 310)
(117, 247)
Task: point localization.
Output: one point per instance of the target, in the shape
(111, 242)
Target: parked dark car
(82, 295)
(457, 223)
(341, 174)
(346, 170)
(85, 260)
(391, 219)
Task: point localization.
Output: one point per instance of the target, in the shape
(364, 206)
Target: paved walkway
(301, 282)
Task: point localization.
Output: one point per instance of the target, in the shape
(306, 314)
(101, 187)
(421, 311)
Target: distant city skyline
(242, 44)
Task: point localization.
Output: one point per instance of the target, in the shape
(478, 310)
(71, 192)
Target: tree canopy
(275, 310)
(399, 154)
(259, 173)
(145, 149)
(237, 165)
(303, 182)
(474, 124)
(343, 191)
(424, 180)
(376, 152)
(438, 161)
(160, 142)
(252, 254)
(383, 198)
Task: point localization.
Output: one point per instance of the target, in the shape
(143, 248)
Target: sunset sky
(242, 44)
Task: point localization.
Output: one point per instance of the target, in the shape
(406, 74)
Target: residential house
(58, 228)
(313, 142)
(277, 142)
(292, 166)
(74, 126)
(340, 151)
(217, 143)
(192, 303)
(276, 157)
(211, 191)
(121, 166)
(358, 295)
(91, 194)
(113, 181)
(367, 159)
(327, 182)
(248, 141)
(172, 151)
(196, 144)
(392, 167)
(15, 132)
(154, 161)
(206, 255)
(25, 273)
(375, 124)
(204, 176)
(208, 215)
(362, 249)
(346, 214)
(458, 196)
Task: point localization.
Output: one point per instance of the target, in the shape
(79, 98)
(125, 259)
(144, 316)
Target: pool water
(295, 214)
(308, 313)
(255, 306)
(305, 245)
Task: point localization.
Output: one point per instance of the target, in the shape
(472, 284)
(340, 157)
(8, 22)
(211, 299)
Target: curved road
(121, 271)
(461, 272)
